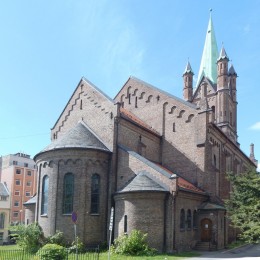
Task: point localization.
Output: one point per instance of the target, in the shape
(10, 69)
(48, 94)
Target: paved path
(248, 252)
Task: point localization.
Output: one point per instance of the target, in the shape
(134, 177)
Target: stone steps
(205, 246)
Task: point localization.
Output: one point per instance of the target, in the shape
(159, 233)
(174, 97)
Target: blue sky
(47, 46)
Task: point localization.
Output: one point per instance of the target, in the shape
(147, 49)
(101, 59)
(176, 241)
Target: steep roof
(188, 69)
(133, 118)
(31, 201)
(209, 58)
(81, 136)
(184, 184)
(3, 190)
(143, 182)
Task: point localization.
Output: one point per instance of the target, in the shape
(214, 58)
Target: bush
(30, 237)
(77, 244)
(58, 239)
(134, 244)
(52, 252)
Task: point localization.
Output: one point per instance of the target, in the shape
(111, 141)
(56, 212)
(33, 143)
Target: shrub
(58, 239)
(134, 244)
(30, 237)
(52, 252)
(77, 244)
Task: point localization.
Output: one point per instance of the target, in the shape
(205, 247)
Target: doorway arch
(206, 230)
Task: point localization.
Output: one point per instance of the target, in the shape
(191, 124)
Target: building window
(182, 220)
(125, 224)
(68, 192)
(18, 171)
(17, 193)
(189, 219)
(28, 194)
(2, 220)
(15, 214)
(95, 190)
(195, 219)
(15, 162)
(3, 198)
(45, 189)
(25, 164)
(29, 173)
(29, 183)
(16, 203)
(173, 127)
(17, 182)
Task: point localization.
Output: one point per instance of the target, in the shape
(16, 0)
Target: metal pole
(75, 230)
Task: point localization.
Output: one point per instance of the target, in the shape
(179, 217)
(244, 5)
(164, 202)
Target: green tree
(244, 204)
(30, 237)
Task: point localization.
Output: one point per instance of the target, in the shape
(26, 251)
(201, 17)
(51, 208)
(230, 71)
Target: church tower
(226, 107)
(188, 83)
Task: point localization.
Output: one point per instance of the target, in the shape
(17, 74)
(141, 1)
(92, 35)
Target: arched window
(189, 219)
(45, 190)
(68, 192)
(195, 219)
(2, 220)
(182, 219)
(95, 191)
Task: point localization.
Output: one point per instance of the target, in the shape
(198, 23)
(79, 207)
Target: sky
(48, 46)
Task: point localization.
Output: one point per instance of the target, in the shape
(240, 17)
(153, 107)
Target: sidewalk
(246, 252)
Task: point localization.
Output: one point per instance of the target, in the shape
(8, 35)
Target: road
(248, 252)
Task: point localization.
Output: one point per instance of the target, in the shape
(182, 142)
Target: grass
(237, 243)
(103, 255)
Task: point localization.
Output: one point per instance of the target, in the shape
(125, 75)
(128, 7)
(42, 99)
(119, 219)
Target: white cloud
(255, 126)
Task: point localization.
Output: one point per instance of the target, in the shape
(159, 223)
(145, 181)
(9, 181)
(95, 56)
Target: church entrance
(206, 229)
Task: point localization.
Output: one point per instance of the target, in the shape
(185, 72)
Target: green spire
(208, 66)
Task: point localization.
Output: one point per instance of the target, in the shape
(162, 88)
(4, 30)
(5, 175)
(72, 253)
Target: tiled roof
(142, 182)
(184, 184)
(3, 190)
(31, 201)
(210, 206)
(81, 136)
(133, 118)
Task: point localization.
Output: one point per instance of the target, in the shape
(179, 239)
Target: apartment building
(18, 173)
(4, 213)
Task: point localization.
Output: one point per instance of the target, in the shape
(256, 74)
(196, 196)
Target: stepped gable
(81, 136)
(134, 119)
(142, 182)
(184, 184)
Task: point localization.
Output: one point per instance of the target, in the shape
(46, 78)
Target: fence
(19, 254)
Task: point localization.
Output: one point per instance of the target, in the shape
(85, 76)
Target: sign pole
(74, 218)
(110, 230)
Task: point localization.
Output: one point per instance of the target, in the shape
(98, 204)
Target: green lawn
(102, 256)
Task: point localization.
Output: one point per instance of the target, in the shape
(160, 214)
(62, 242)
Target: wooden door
(206, 229)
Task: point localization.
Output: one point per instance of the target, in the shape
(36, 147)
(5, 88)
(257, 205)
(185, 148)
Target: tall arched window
(195, 219)
(2, 220)
(182, 219)
(95, 192)
(68, 192)
(45, 190)
(189, 219)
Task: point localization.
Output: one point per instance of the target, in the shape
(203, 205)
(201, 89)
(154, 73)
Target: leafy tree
(30, 237)
(244, 204)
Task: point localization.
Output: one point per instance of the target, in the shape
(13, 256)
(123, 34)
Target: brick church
(159, 160)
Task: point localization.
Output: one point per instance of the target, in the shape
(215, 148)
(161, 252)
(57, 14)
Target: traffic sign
(74, 217)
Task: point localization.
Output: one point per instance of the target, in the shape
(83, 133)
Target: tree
(244, 204)
(30, 237)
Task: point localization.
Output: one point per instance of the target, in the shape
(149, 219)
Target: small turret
(222, 63)
(252, 155)
(233, 83)
(188, 83)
